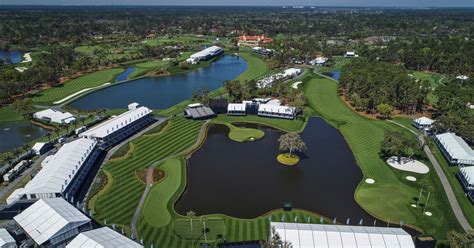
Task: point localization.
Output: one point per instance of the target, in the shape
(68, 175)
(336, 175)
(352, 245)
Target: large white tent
(48, 219)
(455, 149)
(102, 238)
(6, 239)
(55, 116)
(329, 236)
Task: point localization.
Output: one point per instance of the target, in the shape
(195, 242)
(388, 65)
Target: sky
(355, 3)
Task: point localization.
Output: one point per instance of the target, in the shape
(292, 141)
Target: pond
(244, 180)
(11, 56)
(334, 75)
(164, 92)
(13, 135)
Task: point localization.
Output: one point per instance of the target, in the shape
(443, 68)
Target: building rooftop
(55, 115)
(468, 173)
(208, 51)
(317, 235)
(236, 107)
(103, 237)
(276, 109)
(456, 147)
(59, 169)
(48, 218)
(424, 121)
(199, 112)
(108, 127)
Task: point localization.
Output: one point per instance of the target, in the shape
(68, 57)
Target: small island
(290, 142)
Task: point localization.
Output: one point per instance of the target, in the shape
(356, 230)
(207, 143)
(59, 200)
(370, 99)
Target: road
(444, 180)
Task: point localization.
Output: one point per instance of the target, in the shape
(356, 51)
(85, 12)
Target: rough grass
(70, 87)
(10, 114)
(390, 197)
(142, 68)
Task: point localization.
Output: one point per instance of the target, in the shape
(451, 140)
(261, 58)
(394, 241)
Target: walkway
(444, 180)
(149, 176)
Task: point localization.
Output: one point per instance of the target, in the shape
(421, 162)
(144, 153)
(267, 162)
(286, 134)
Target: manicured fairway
(118, 203)
(142, 68)
(256, 67)
(75, 85)
(434, 78)
(390, 197)
(9, 114)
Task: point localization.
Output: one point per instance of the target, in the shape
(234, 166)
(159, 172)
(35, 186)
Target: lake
(13, 56)
(124, 75)
(13, 135)
(164, 92)
(244, 180)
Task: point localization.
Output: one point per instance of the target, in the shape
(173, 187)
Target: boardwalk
(444, 180)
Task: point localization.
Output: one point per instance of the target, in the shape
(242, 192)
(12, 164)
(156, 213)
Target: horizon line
(268, 6)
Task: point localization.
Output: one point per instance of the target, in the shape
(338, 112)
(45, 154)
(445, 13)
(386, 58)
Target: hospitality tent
(329, 236)
(6, 239)
(103, 237)
(455, 149)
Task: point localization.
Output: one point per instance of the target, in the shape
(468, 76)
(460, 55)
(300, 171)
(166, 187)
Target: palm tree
(191, 215)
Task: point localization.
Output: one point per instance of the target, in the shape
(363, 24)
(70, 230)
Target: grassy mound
(245, 134)
(287, 159)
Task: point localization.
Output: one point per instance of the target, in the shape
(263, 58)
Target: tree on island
(385, 110)
(398, 145)
(290, 142)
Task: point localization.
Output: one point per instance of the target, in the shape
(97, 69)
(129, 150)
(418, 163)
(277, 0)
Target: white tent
(103, 237)
(56, 116)
(329, 236)
(50, 218)
(6, 239)
(455, 149)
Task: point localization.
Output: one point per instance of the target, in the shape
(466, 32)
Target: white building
(466, 176)
(6, 239)
(350, 54)
(236, 109)
(61, 174)
(318, 61)
(271, 110)
(56, 116)
(455, 149)
(205, 54)
(339, 236)
(285, 75)
(41, 148)
(114, 130)
(103, 237)
(52, 222)
(423, 123)
(17, 169)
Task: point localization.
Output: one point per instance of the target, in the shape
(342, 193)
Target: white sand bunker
(370, 181)
(295, 84)
(413, 205)
(411, 179)
(428, 213)
(408, 164)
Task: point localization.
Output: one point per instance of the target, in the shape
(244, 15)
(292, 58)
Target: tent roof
(47, 218)
(456, 147)
(103, 237)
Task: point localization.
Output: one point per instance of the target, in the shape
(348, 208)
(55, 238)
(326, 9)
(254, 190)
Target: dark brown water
(244, 180)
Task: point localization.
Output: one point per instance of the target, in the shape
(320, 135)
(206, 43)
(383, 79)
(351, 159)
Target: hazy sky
(385, 3)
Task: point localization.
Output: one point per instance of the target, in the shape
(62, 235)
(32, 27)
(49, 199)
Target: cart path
(444, 180)
(149, 177)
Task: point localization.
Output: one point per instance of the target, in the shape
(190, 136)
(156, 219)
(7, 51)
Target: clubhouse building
(341, 236)
(115, 130)
(205, 54)
(253, 40)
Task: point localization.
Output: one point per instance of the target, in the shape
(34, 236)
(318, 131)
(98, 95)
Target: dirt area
(157, 175)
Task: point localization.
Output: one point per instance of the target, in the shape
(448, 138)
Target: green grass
(70, 87)
(296, 125)
(155, 208)
(10, 114)
(216, 226)
(186, 39)
(118, 203)
(256, 67)
(241, 134)
(390, 197)
(142, 68)
(433, 78)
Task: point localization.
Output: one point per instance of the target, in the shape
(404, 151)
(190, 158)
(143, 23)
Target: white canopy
(456, 147)
(108, 127)
(6, 239)
(329, 236)
(424, 121)
(55, 116)
(276, 109)
(468, 173)
(236, 107)
(104, 238)
(48, 218)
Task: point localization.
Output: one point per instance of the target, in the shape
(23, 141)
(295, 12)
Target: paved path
(444, 180)
(138, 210)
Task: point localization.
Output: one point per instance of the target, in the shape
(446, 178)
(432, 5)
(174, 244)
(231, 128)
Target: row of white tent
(56, 116)
(53, 222)
(286, 74)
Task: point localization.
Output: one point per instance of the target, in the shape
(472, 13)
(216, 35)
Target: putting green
(245, 134)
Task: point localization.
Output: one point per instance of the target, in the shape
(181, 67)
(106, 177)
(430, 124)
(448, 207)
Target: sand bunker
(408, 164)
(295, 84)
(370, 181)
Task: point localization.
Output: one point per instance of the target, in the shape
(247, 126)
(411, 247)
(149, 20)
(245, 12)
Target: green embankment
(142, 68)
(70, 87)
(391, 196)
(9, 114)
(296, 125)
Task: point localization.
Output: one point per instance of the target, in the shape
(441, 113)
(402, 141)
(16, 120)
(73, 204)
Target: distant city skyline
(335, 3)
